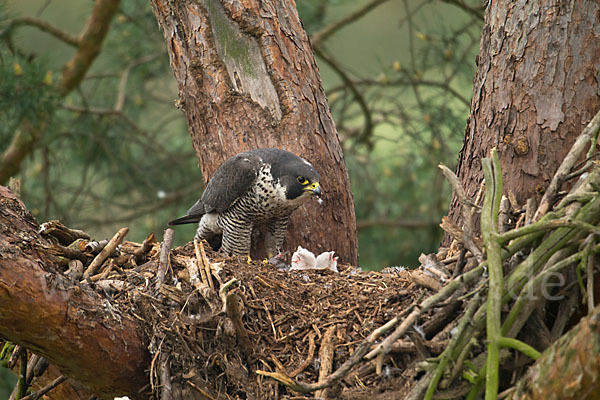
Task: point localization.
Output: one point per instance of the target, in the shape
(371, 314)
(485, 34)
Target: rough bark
(535, 89)
(569, 369)
(247, 79)
(84, 335)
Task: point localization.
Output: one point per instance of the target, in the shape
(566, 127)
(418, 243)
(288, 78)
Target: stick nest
(270, 319)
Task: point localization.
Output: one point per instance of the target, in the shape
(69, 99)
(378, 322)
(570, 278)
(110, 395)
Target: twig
(166, 391)
(33, 360)
(234, 312)
(200, 390)
(22, 382)
(543, 225)
(329, 30)
(309, 356)
(224, 289)
(460, 263)
(45, 389)
(565, 167)
(478, 12)
(14, 357)
(427, 304)
(103, 274)
(203, 260)
(163, 263)
(106, 251)
(404, 81)
(445, 357)
(466, 207)
(200, 270)
(565, 311)
(590, 281)
(141, 252)
(124, 78)
(48, 28)
(326, 356)
(503, 216)
(519, 346)
(66, 236)
(368, 125)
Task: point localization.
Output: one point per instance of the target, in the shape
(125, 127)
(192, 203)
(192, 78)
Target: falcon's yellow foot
(249, 260)
(268, 259)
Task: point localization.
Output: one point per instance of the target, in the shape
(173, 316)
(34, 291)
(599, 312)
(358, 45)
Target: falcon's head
(297, 176)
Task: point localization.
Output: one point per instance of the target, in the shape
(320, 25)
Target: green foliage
(7, 378)
(26, 95)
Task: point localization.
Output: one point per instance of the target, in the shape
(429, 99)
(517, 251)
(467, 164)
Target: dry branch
(467, 214)
(326, 357)
(106, 251)
(163, 262)
(46, 389)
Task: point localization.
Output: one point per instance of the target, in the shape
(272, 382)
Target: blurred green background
(115, 151)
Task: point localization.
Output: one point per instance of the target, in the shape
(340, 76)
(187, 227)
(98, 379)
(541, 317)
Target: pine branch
(90, 43)
(319, 37)
(45, 26)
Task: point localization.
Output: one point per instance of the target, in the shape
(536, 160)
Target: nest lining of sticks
(220, 326)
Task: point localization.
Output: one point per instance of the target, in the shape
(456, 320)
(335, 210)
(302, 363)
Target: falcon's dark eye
(302, 180)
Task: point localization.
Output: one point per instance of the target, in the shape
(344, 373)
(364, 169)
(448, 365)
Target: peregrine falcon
(251, 191)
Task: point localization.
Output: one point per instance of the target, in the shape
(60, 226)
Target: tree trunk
(77, 330)
(535, 89)
(248, 79)
(569, 369)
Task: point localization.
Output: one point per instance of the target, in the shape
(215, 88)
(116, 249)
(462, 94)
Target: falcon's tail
(186, 219)
(193, 215)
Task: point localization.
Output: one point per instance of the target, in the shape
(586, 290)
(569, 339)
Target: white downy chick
(327, 260)
(303, 259)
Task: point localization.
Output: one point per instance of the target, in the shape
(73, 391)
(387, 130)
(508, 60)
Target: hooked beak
(315, 189)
